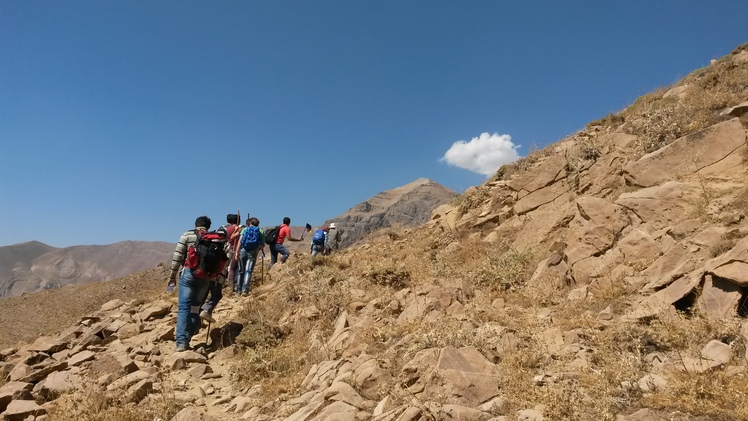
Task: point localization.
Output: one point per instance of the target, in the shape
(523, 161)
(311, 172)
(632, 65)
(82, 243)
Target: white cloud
(483, 154)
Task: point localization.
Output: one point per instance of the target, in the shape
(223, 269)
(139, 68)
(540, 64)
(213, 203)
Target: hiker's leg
(273, 255)
(250, 266)
(200, 288)
(216, 293)
(231, 276)
(237, 275)
(242, 271)
(283, 251)
(185, 294)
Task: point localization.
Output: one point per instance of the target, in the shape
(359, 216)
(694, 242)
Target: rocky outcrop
(666, 212)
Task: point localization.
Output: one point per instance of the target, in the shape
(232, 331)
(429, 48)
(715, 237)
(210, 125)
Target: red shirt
(230, 231)
(283, 232)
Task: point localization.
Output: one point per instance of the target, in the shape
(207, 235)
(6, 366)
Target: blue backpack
(318, 238)
(251, 238)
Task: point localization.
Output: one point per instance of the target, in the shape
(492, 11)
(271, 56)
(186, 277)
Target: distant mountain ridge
(409, 205)
(34, 266)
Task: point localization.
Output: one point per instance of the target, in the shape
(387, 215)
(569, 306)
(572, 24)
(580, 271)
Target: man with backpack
(216, 288)
(333, 238)
(204, 258)
(319, 241)
(280, 233)
(251, 241)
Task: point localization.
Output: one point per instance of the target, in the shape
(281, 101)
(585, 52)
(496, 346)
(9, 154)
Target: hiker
(233, 229)
(216, 288)
(251, 241)
(319, 241)
(284, 231)
(333, 238)
(192, 290)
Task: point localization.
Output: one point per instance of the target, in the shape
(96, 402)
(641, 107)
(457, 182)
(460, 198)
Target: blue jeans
(216, 293)
(247, 261)
(274, 250)
(192, 293)
(316, 249)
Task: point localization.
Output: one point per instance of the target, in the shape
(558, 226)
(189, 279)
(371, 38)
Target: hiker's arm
(177, 258)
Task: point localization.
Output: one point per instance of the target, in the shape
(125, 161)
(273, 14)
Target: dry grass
(93, 404)
(471, 199)
(64, 306)
(715, 395)
(659, 120)
(523, 164)
(709, 91)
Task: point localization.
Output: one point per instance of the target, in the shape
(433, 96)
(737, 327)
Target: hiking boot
(180, 348)
(245, 293)
(204, 315)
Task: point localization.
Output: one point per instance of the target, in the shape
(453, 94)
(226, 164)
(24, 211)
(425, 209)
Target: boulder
(664, 205)
(696, 152)
(719, 298)
(22, 410)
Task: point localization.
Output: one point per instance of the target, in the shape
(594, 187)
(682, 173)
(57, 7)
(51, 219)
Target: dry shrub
(523, 164)
(511, 268)
(274, 354)
(393, 278)
(714, 394)
(92, 404)
(276, 336)
(726, 242)
(680, 331)
(659, 120)
(471, 199)
(611, 120)
(446, 332)
(461, 258)
(740, 202)
(611, 292)
(584, 396)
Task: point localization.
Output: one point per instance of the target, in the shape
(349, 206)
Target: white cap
(332, 226)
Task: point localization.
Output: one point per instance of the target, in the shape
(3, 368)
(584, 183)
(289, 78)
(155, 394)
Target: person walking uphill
(276, 247)
(319, 242)
(203, 256)
(252, 240)
(216, 288)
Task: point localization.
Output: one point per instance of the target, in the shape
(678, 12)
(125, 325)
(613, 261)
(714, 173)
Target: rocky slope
(34, 266)
(406, 206)
(599, 279)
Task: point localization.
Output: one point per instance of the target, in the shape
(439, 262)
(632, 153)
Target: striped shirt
(180, 253)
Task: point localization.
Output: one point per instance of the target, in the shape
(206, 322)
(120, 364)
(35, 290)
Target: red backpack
(207, 257)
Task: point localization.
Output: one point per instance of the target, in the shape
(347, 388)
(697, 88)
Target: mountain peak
(408, 205)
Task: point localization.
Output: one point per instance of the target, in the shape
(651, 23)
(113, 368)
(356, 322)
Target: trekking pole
(262, 266)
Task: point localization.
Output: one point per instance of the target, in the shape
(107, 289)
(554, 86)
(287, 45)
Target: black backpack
(271, 235)
(207, 257)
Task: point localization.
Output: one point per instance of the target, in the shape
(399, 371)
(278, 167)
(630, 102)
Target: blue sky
(125, 120)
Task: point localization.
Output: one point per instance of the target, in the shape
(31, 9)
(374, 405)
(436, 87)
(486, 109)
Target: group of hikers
(205, 260)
